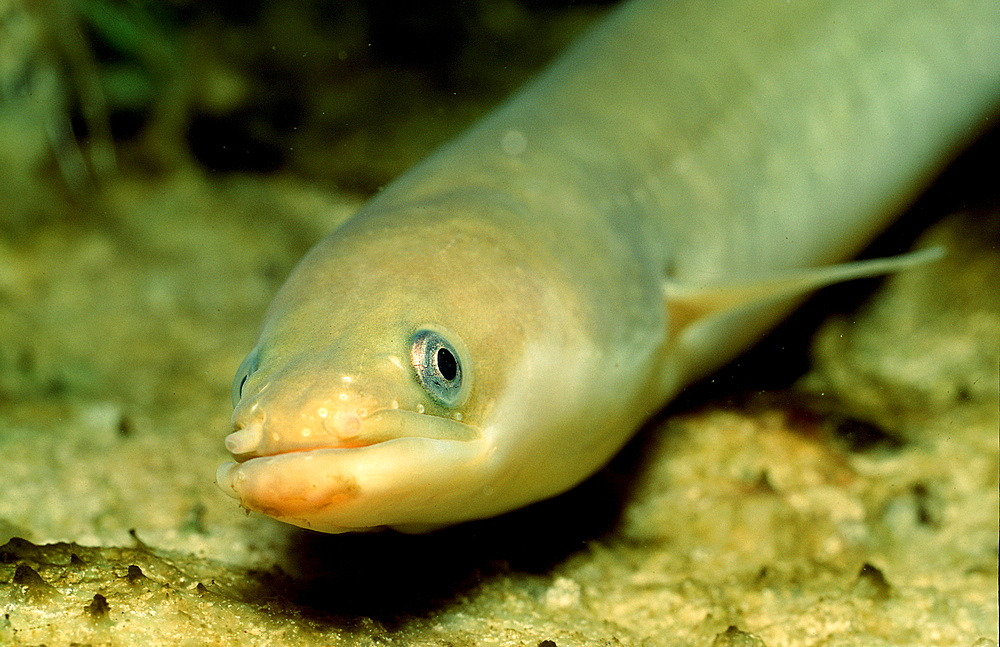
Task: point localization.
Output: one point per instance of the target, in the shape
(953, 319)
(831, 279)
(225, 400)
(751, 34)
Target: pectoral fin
(689, 305)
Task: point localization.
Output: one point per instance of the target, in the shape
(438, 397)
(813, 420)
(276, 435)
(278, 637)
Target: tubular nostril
(246, 440)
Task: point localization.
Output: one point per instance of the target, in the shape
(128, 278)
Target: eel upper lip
(243, 457)
(384, 425)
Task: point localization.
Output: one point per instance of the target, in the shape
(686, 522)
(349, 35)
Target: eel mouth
(349, 432)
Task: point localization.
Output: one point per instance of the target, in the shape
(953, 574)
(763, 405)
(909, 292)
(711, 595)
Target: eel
(493, 326)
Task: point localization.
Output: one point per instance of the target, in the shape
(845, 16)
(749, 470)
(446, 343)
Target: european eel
(491, 328)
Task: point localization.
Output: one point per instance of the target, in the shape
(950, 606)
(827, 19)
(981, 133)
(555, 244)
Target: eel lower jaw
(397, 481)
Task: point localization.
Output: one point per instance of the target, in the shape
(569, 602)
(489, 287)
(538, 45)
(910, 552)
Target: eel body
(493, 326)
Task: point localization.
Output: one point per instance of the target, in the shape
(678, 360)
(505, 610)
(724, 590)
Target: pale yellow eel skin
(493, 326)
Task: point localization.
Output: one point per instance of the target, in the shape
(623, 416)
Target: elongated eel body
(493, 326)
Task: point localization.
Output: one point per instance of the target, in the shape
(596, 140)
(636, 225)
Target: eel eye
(246, 369)
(438, 367)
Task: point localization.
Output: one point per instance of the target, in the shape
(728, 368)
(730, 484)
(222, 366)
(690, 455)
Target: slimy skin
(491, 328)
